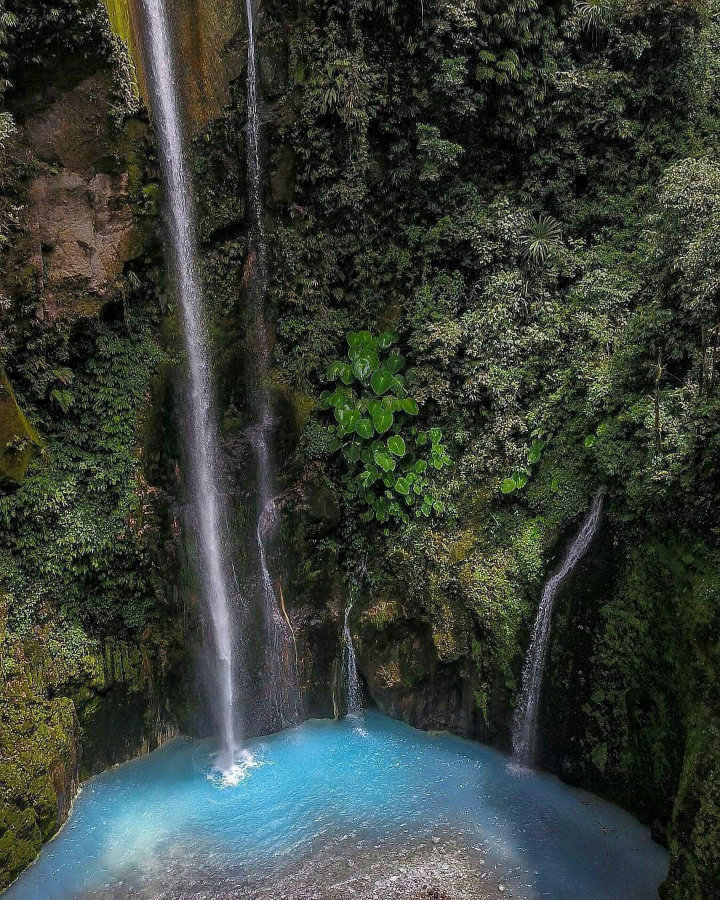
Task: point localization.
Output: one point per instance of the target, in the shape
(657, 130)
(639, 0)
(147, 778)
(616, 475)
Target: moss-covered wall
(209, 39)
(94, 641)
(18, 439)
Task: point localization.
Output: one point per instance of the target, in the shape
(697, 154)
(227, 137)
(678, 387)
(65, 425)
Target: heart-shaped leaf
(364, 365)
(364, 429)
(339, 397)
(369, 477)
(508, 486)
(409, 406)
(392, 404)
(358, 342)
(387, 339)
(381, 381)
(382, 421)
(396, 445)
(402, 486)
(384, 460)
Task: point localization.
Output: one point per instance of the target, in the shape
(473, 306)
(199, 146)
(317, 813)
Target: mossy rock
(38, 745)
(20, 841)
(695, 828)
(18, 439)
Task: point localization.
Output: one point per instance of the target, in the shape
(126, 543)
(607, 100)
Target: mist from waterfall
(353, 690)
(526, 715)
(281, 683)
(200, 432)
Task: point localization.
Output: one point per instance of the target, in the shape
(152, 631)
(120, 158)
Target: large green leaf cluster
(388, 457)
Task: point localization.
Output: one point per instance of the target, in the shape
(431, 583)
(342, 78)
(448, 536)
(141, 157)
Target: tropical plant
(389, 459)
(519, 478)
(595, 16)
(541, 238)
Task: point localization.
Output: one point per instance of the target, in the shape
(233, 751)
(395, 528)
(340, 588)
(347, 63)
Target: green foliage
(71, 531)
(518, 480)
(530, 199)
(542, 237)
(595, 15)
(389, 460)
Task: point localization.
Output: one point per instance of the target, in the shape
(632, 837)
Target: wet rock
(83, 234)
(79, 221)
(658, 832)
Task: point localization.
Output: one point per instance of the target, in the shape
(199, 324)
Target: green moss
(18, 439)
(20, 841)
(121, 21)
(694, 833)
(38, 745)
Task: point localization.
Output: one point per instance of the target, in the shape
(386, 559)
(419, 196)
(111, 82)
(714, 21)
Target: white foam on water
(231, 776)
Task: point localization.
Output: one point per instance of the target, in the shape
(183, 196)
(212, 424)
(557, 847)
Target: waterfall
(526, 714)
(201, 439)
(282, 681)
(353, 691)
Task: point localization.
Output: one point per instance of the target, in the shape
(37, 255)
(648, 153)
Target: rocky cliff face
(80, 691)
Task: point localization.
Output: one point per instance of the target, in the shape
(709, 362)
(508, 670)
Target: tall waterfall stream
(526, 716)
(281, 673)
(200, 434)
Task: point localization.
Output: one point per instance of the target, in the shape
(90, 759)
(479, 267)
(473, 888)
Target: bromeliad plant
(389, 458)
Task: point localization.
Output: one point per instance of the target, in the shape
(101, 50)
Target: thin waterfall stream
(526, 716)
(353, 691)
(281, 671)
(200, 431)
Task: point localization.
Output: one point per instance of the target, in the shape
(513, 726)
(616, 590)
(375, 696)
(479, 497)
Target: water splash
(201, 439)
(231, 776)
(281, 671)
(526, 714)
(353, 690)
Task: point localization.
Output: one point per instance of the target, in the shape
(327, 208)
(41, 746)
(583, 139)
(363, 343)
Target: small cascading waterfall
(353, 691)
(201, 439)
(526, 714)
(281, 671)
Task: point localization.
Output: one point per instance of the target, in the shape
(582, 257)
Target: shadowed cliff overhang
(205, 35)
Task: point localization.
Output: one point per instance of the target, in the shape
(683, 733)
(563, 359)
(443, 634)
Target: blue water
(155, 824)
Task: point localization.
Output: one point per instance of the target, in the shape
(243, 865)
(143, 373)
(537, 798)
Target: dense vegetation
(528, 195)
(85, 630)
